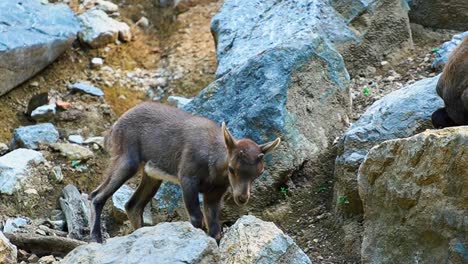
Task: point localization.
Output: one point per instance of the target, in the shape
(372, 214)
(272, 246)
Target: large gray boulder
(14, 168)
(32, 36)
(32, 136)
(383, 29)
(446, 50)
(399, 114)
(440, 13)
(253, 241)
(165, 243)
(414, 192)
(277, 78)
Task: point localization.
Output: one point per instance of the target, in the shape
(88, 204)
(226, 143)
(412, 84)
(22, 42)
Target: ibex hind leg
(121, 169)
(142, 196)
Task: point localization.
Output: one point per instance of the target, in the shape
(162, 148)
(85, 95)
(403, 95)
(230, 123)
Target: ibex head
(245, 163)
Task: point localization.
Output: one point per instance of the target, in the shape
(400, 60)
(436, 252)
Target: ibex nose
(243, 199)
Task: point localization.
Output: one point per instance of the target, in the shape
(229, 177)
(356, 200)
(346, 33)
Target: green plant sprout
(75, 163)
(343, 200)
(284, 190)
(435, 49)
(366, 91)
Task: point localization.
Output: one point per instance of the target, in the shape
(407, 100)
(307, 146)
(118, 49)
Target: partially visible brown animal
(453, 89)
(182, 148)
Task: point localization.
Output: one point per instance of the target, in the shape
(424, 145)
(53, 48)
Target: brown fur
(177, 146)
(453, 89)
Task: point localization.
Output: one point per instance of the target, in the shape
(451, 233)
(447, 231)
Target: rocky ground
(175, 55)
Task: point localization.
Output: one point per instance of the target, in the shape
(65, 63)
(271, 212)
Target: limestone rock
(32, 136)
(73, 151)
(120, 198)
(251, 240)
(414, 193)
(32, 36)
(165, 243)
(446, 49)
(399, 114)
(440, 13)
(14, 167)
(98, 29)
(44, 113)
(8, 252)
(85, 87)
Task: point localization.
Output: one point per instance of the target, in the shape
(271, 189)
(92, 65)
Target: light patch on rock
(73, 151)
(14, 168)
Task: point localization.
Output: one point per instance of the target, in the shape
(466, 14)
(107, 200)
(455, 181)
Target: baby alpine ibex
(182, 148)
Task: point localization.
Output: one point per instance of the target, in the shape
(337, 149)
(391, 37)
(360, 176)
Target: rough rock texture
(383, 29)
(32, 136)
(276, 87)
(86, 87)
(32, 36)
(8, 252)
(76, 209)
(44, 113)
(251, 240)
(415, 197)
(13, 224)
(120, 198)
(14, 167)
(400, 114)
(440, 13)
(446, 49)
(165, 243)
(242, 30)
(98, 29)
(73, 151)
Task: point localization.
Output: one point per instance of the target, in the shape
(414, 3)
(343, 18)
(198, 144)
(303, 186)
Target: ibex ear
(270, 146)
(228, 138)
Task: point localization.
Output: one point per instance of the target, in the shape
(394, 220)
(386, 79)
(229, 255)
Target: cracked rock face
(415, 196)
(32, 36)
(251, 240)
(177, 242)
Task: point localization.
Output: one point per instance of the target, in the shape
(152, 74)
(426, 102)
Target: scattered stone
(251, 240)
(37, 101)
(86, 87)
(446, 49)
(31, 191)
(57, 174)
(427, 174)
(77, 211)
(3, 148)
(63, 105)
(73, 151)
(47, 260)
(97, 63)
(8, 251)
(178, 101)
(177, 242)
(34, 84)
(13, 224)
(98, 29)
(143, 22)
(32, 136)
(95, 140)
(33, 35)
(14, 167)
(399, 114)
(33, 258)
(43, 113)
(107, 6)
(120, 198)
(77, 139)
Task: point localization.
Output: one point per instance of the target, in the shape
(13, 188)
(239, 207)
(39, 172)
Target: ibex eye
(231, 170)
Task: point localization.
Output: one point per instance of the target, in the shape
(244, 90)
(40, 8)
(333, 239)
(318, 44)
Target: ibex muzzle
(182, 148)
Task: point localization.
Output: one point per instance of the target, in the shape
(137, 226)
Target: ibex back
(179, 147)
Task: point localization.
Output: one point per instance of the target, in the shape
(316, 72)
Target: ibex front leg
(212, 209)
(190, 189)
